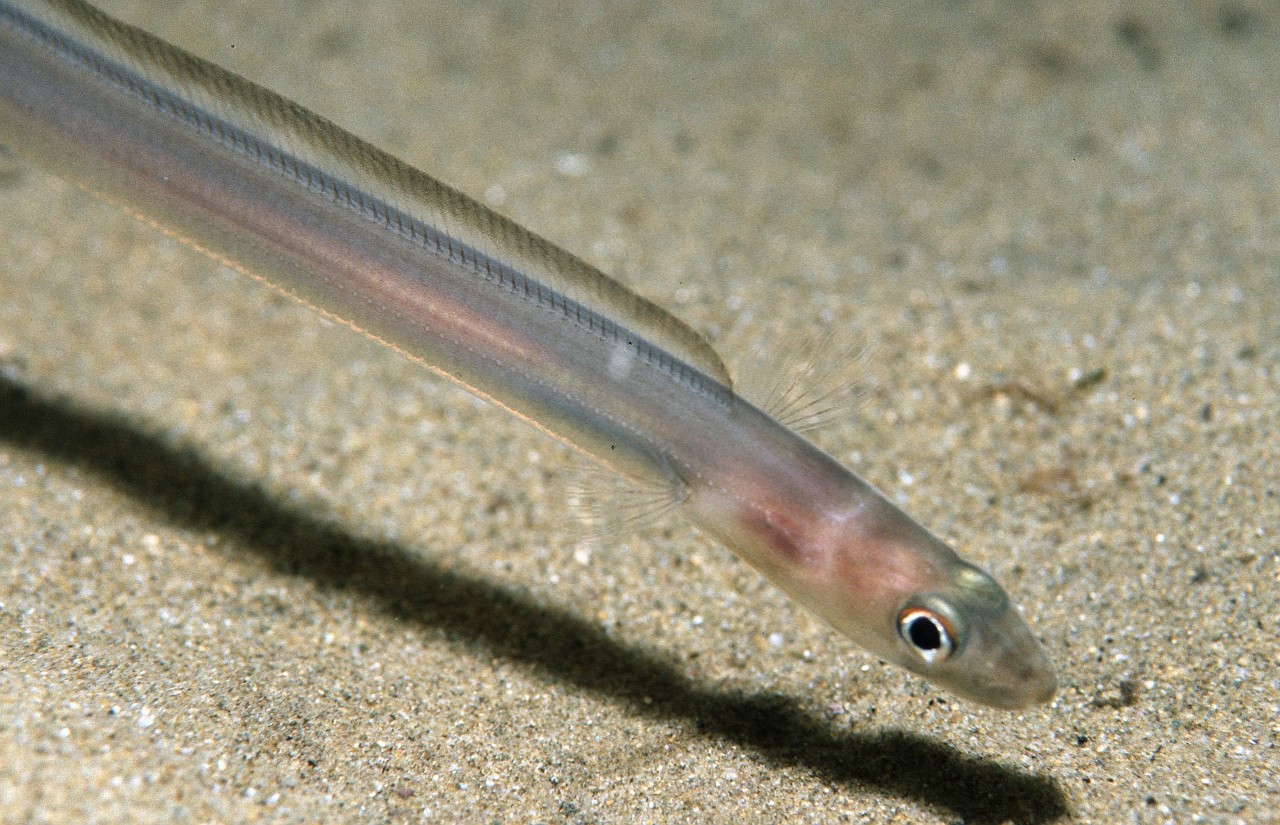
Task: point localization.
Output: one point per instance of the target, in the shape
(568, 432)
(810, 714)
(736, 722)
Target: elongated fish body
(283, 195)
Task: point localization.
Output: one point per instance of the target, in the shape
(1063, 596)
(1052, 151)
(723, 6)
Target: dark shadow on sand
(178, 484)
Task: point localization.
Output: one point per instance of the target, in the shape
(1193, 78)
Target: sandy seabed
(257, 569)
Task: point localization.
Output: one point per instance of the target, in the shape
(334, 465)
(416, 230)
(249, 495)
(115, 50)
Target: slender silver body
(287, 197)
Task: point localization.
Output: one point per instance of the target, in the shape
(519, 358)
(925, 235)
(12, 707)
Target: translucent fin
(608, 505)
(291, 140)
(806, 378)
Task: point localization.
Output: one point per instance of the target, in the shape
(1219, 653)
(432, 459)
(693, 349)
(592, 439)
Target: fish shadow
(179, 485)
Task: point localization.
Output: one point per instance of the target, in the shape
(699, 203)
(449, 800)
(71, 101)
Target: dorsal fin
(385, 187)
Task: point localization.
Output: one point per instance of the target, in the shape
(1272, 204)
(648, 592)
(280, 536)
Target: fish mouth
(1034, 687)
(1027, 678)
(1025, 689)
(1014, 671)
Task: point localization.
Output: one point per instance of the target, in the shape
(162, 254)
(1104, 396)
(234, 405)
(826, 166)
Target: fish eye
(929, 632)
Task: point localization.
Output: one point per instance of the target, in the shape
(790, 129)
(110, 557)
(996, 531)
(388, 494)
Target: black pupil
(924, 633)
